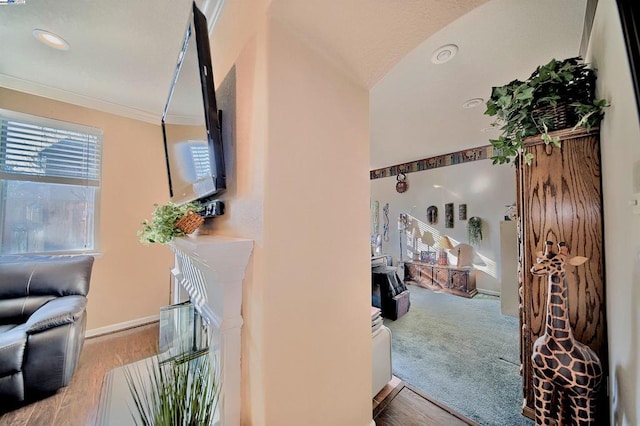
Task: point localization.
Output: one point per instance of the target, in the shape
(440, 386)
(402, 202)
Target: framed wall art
(448, 215)
(462, 212)
(432, 215)
(428, 257)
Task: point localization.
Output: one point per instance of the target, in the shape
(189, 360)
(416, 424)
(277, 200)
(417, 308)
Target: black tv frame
(629, 12)
(197, 30)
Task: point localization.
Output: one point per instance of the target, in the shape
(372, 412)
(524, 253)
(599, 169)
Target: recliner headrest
(24, 275)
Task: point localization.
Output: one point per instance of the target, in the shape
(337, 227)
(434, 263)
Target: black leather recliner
(42, 323)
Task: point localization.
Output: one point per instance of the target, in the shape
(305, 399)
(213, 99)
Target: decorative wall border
(465, 156)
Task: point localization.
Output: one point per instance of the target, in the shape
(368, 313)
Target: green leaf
(503, 101)
(492, 109)
(528, 158)
(525, 94)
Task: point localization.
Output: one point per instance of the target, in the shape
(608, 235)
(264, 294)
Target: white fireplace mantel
(211, 270)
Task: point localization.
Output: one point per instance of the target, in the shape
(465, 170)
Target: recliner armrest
(59, 311)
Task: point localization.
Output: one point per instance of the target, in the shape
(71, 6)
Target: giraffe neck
(557, 321)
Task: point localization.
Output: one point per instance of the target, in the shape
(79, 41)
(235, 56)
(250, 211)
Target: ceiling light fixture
(472, 103)
(444, 54)
(51, 39)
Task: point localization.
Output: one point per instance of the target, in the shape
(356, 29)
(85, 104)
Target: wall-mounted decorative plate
(401, 185)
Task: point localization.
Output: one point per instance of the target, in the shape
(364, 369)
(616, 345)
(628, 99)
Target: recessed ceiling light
(444, 53)
(437, 186)
(472, 103)
(51, 39)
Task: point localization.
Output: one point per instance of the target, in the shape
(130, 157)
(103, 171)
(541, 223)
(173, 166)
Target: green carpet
(463, 353)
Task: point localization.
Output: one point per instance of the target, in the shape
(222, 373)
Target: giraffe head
(550, 263)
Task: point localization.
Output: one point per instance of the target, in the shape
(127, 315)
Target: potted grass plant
(181, 391)
(169, 221)
(558, 95)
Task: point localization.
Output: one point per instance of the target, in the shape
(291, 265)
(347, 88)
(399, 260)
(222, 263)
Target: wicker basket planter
(189, 222)
(556, 117)
(169, 221)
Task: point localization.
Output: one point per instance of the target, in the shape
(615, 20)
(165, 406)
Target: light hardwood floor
(77, 404)
(399, 404)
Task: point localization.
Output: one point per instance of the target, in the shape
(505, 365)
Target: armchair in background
(42, 323)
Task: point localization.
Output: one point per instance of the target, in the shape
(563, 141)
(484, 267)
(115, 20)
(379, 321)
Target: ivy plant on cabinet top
(556, 96)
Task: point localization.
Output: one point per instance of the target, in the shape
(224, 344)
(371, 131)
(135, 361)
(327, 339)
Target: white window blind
(49, 184)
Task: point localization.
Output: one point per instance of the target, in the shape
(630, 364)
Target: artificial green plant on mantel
(531, 107)
(162, 227)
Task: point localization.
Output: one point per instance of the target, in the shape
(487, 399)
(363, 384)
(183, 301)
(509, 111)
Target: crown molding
(56, 94)
(212, 10)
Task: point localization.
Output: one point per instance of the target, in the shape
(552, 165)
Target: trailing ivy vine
(526, 108)
(474, 230)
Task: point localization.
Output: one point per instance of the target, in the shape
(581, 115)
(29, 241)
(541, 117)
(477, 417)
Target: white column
(211, 270)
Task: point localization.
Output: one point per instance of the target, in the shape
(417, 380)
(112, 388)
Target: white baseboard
(489, 292)
(121, 326)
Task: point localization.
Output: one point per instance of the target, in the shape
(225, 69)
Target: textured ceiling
(123, 55)
(416, 108)
(366, 38)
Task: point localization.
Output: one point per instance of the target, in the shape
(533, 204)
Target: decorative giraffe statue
(566, 373)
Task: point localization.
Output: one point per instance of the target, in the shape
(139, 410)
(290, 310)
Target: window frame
(63, 126)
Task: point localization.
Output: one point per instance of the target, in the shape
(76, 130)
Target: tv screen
(191, 122)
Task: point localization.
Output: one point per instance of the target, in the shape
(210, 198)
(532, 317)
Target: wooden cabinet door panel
(459, 280)
(559, 199)
(441, 277)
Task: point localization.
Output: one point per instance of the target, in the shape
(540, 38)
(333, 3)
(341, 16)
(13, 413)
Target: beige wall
(620, 139)
(318, 299)
(129, 281)
(301, 193)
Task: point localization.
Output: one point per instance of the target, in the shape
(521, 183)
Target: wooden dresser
(449, 279)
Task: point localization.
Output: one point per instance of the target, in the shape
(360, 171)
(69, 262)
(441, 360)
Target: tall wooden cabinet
(560, 199)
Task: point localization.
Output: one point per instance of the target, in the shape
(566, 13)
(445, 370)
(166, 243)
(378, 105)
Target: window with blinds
(49, 185)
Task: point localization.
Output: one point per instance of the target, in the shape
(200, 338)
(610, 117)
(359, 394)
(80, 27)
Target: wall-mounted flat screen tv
(191, 121)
